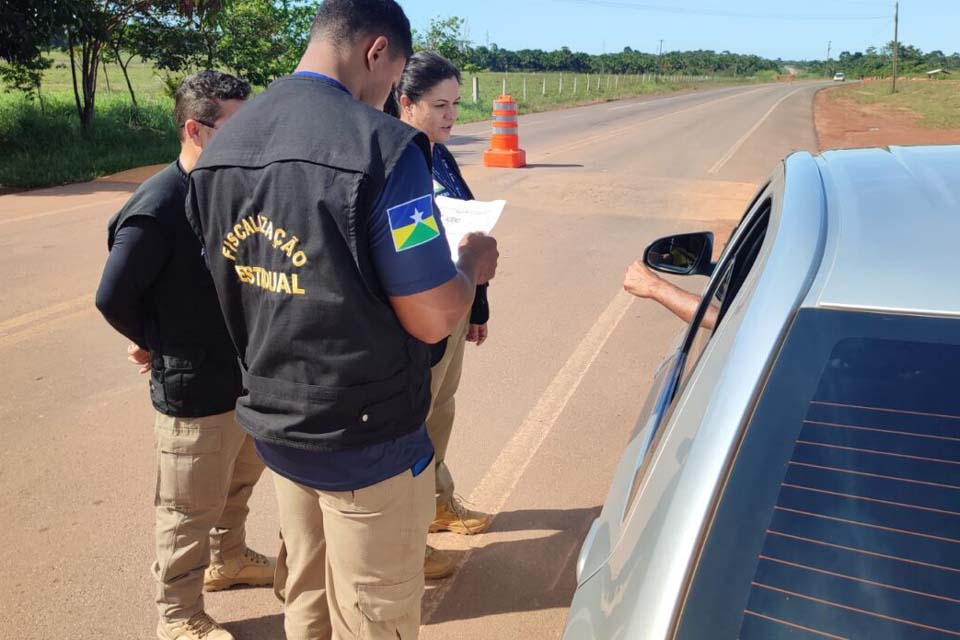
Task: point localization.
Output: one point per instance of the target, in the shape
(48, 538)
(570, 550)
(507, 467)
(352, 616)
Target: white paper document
(461, 217)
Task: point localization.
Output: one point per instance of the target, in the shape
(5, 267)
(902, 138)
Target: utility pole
(660, 60)
(829, 44)
(896, 41)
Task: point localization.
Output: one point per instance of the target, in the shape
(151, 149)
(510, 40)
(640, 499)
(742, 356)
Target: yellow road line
(44, 214)
(40, 317)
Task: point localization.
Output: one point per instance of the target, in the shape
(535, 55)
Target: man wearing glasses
(157, 291)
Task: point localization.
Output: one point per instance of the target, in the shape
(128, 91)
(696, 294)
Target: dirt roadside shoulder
(842, 123)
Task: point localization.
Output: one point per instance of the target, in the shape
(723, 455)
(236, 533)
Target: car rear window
(841, 515)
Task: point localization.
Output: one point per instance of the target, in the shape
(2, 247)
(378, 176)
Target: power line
(714, 13)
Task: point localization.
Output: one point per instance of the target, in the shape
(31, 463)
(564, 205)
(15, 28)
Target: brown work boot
(251, 569)
(198, 627)
(456, 518)
(436, 564)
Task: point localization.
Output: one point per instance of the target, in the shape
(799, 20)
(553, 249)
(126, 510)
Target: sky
(772, 28)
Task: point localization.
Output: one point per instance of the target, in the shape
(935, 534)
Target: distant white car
(839, 77)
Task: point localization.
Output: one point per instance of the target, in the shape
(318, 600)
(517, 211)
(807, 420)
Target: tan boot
(199, 627)
(436, 564)
(456, 518)
(251, 569)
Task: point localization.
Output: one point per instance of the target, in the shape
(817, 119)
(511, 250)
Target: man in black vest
(156, 290)
(334, 275)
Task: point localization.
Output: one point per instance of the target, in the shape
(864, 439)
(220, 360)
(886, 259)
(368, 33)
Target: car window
(730, 274)
(732, 269)
(840, 516)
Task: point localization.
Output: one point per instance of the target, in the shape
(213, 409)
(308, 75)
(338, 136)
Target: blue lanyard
(333, 82)
(443, 174)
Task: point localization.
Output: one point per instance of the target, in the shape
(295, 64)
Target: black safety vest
(281, 199)
(194, 370)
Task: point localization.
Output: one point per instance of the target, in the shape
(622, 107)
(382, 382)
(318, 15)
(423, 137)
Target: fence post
(504, 92)
(544, 84)
(524, 88)
(560, 90)
(574, 85)
(598, 81)
(616, 81)
(476, 89)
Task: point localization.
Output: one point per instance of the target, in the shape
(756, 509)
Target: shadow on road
(520, 575)
(457, 140)
(257, 628)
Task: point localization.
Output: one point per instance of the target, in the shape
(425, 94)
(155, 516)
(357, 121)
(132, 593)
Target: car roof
(892, 230)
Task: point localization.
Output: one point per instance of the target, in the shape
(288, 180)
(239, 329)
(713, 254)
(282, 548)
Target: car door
(729, 274)
(649, 535)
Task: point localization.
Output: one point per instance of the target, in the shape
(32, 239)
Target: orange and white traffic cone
(505, 151)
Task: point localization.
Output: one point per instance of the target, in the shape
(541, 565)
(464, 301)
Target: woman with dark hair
(428, 98)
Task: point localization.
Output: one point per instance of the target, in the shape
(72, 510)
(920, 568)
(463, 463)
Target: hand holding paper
(461, 217)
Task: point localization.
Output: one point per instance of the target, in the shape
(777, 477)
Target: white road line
(615, 132)
(44, 214)
(496, 486)
(739, 143)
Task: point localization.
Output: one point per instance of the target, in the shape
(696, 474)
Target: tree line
(261, 40)
(446, 37)
(879, 62)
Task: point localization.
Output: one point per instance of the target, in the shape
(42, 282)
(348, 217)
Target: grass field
(42, 148)
(936, 102)
(42, 144)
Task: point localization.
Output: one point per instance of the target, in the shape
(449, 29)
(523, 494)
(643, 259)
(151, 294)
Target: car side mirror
(684, 255)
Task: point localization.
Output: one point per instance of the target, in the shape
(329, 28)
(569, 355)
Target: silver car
(796, 471)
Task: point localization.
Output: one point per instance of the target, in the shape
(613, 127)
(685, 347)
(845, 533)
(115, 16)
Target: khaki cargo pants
(206, 470)
(351, 564)
(444, 380)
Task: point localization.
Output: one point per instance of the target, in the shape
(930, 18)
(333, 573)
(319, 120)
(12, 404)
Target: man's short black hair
(197, 96)
(343, 21)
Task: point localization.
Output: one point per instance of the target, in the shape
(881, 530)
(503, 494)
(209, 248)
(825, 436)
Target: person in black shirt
(157, 291)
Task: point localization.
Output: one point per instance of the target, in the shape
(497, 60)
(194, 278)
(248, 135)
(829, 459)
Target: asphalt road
(543, 411)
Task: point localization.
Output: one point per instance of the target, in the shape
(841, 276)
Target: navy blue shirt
(446, 182)
(406, 263)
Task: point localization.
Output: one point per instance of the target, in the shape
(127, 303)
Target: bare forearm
(453, 303)
(432, 316)
(682, 303)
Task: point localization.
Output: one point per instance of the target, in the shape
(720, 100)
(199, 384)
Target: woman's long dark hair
(424, 71)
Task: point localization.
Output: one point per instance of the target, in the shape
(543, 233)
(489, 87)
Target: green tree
(90, 28)
(26, 77)
(446, 37)
(264, 39)
(172, 42)
(26, 29)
